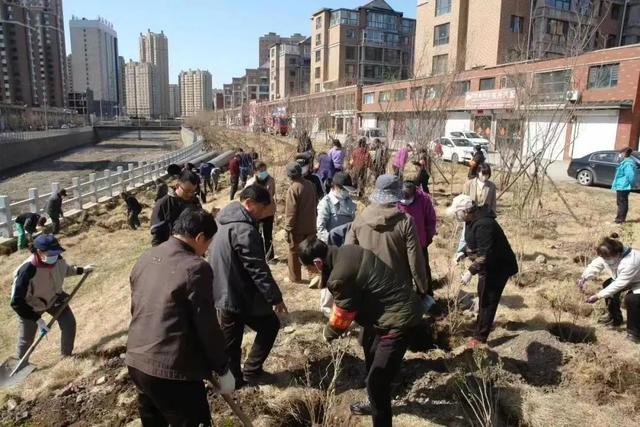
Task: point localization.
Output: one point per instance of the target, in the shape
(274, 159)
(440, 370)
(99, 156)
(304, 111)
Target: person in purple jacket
(337, 155)
(419, 206)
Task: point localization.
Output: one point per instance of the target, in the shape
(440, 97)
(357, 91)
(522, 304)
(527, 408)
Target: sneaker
(360, 408)
(633, 338)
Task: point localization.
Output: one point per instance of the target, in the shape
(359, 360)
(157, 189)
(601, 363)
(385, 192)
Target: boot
(360, 408)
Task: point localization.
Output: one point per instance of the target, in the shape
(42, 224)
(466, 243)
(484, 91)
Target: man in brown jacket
(391, 234)
(300, 217)
(174, 339)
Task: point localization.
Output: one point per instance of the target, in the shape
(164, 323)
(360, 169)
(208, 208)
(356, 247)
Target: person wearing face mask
(372, 294)
(167, 210)
(305, 162)
(335, 212)
(244, 289)
(623, 263)
(263, 178)
(623, 182)
(174, 341)
(493, 260)
(300, 217)
(419, 206)
(37, 288)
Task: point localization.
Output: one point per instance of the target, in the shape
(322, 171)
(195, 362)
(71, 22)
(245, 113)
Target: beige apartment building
(455, 35)
(289, 69)
(154, 49)
(141, 89)
(368, 45)
(196, 92)
(174, 101)
(266, 41)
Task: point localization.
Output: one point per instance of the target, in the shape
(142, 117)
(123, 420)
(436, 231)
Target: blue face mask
(263, 175)
(50, 259)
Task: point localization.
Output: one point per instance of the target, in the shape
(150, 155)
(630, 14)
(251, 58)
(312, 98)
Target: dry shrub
(566, 299)
(67, 371)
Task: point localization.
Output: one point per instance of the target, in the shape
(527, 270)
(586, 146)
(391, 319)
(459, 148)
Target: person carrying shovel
(37, 288)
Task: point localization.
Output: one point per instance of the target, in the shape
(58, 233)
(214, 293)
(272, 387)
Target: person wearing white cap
(492, 259)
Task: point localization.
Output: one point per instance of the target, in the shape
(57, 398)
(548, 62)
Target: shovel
(235, 408)
(14, 371)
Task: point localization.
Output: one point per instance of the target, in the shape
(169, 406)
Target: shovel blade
(7, 367)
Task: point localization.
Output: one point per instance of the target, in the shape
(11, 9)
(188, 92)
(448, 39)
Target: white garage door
(457, 121)
(369, 121)
(595, 132)
(546, 135)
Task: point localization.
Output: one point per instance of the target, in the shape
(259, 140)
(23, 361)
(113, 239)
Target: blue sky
(217, 35)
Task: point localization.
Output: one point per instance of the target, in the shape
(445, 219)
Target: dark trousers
(29, 328)
(429, 277)
(163, 402)
(632, 302)
(490, 287)
(206, 183)
(613, 304)
(232, 325)
(359, 178)
(55, 221)
(622, 199)
(133, 220)
(383, 356)
(266, 225)
(233, 180)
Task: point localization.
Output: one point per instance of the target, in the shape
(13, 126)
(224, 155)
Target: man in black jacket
(367, 291)
(167, 210)
(174, 341)
(54, 209)
(244, 290)
(133, 210)
(476, 161)
(26, 224)
(492, 260)
(161, 189)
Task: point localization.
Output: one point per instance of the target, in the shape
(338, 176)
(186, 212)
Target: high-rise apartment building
(69, 74)
(630, 18)
(32, 53)
(154, 49)
(94, 62)
(174, 101)
(370, 44)
(265, 42)
(256, 84)
(289, 69)
(218, 99)
(196, 92)
(227, 90)
(141, 86)
(454, 35)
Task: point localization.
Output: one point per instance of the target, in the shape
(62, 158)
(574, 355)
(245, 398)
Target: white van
(372, 134)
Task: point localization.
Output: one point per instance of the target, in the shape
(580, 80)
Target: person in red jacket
(234, 174)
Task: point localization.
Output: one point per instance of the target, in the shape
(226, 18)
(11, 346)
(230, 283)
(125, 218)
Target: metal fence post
(77, 193)
(120, 184)
(5, 217)
(93, 188)
(33, 200)
(107, 180)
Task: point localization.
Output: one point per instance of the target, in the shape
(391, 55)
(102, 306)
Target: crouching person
(624, 264)
(37, 288)
(367, 291)
(174, 339)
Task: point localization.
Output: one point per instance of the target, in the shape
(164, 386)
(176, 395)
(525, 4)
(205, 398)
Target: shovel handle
(22, 361)
(237, 410)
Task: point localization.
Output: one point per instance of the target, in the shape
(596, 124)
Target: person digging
(26, 224)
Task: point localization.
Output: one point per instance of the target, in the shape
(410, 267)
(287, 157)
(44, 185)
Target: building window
(408, 26)
(344, 17)
(350, 34)
(488, 83)
(551, 86)
(383, 21)
(372, 71)
(460, 88)
(318, 56)
(292, 73)
(416, 93)
(317, 87)
(400, 95)
(293, 61)
(440, 64)
(602, 76)
(443, 7)
(368, 98)
(317, 72)
(384, 96)
(373, 53)
(350, 52)
(517, 24)
(512, 81)
(615, 11)
(318, 38)
(318, 22)
(559, 4)
(557, 29)
(441, 34)
(350, 70)
(433, 91)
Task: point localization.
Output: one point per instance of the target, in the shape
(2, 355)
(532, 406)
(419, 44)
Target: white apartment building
(141, 89)
(154, 49)
(196, 92)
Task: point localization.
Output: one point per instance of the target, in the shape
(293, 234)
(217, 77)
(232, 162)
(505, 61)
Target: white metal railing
(99, 187)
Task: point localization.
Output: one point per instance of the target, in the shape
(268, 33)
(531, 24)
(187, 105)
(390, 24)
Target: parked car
(456, 150)
(599, 168)
(372, 135)
(472, 137)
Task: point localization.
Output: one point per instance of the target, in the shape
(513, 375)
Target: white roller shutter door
(594, 132)
(546, 134)
(457, 121)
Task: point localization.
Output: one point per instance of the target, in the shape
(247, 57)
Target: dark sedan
(598, 168)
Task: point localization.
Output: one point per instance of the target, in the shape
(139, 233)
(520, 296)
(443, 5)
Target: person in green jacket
(623, 182)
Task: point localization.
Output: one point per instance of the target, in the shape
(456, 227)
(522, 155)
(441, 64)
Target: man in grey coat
(54, 209)
(244, 290)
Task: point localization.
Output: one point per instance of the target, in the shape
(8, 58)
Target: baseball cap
(294, 170)
(48, 243)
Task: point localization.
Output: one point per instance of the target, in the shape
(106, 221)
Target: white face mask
(305, 169)
(611, 262)
(482, 178)
(50, 259)
(341, 194)
(407, 202)
(460, 216)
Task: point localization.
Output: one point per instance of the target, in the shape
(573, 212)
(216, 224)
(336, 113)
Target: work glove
(459, 257)
(226, 384)
(42, 326)
(580, 283)
(88, 268)
(466, 277)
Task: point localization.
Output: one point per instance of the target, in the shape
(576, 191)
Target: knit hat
(294, 170)
(461, 202)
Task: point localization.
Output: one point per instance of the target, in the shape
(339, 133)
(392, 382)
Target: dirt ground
(548, 363)
(82, 161)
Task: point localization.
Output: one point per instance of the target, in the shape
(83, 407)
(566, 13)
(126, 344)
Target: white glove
(459, 257)
(466, 277)
(88, 268)
(226, 384)
(42, 326)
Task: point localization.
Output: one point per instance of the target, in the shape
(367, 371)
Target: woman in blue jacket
(623, 183)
